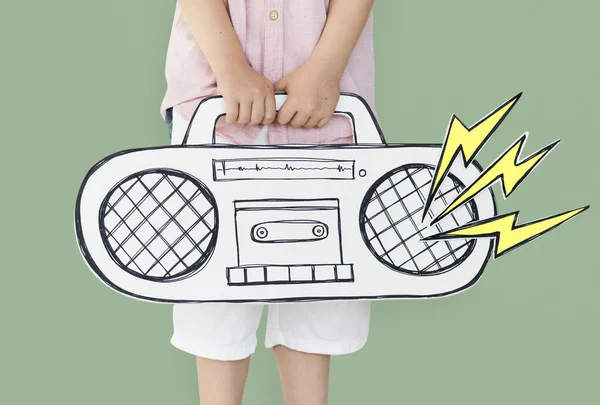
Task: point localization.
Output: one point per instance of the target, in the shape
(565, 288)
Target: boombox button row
(295, 274)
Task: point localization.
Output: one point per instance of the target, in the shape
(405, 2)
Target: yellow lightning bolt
(467, 140)
(508, 235)
(507, 169)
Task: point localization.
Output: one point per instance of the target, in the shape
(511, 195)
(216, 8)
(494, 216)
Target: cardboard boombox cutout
(206, 222)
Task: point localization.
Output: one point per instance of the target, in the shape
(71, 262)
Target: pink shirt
(277, 36)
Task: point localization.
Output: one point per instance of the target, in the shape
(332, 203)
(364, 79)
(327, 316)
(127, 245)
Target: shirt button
(273, 15)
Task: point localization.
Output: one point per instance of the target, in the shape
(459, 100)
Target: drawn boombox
(205, 222)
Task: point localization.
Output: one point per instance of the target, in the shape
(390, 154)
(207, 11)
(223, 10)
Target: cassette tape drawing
(206, 222)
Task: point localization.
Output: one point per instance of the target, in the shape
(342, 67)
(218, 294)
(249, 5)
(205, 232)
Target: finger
(286, 113)
(323, 122)
(245, 113)
(231, 111)
(258, 111)
(299, 120)
(312, 121)
(270, 109)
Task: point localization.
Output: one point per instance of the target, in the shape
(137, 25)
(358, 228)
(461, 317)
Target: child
(246, 50)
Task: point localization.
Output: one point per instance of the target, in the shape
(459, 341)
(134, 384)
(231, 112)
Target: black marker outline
(86, 254)
(189, 270)
(96, 270)
(363, 220)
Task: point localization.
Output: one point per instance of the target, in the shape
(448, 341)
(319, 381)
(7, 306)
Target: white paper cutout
(205, 222)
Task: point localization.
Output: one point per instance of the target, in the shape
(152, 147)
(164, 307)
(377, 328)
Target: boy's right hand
(249, 97)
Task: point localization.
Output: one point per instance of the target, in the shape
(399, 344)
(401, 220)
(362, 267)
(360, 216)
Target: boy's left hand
(313, 93)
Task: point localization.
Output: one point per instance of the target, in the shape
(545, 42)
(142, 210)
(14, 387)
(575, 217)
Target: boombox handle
(364, 124)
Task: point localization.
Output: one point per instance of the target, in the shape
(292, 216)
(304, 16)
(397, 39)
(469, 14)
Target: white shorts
(226, 331)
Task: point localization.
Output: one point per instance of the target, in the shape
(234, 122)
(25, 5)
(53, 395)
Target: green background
(83, 79)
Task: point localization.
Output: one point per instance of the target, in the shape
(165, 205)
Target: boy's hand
(249, 97)
(313, 93)
(313, 89)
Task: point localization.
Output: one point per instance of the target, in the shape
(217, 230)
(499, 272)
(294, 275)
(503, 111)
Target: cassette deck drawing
(206, 222)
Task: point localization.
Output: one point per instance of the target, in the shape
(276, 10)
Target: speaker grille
(390, 221)
(159, 225)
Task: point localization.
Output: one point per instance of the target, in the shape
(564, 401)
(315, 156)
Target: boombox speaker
(206, 222)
